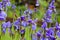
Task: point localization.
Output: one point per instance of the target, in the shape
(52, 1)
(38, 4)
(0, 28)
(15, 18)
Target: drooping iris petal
(3, 15)
(22, 31)
(4, 25)
(22, 18)
(9, 24)
(24, 23)
(33, 26)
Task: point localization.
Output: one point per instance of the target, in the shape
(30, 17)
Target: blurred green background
(39, 15)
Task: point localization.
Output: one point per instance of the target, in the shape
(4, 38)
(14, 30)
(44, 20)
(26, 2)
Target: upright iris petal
(56, 25)
(49, 12)
(0, 5)
(44, 25)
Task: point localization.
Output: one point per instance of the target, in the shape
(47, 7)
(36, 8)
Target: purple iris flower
(47, 32)
(56, 24)
(4, 30)
(8, 4)
(9, 24)
(24, 23)
(0, 5)
(43, 38)
(34, 37)
(26, 12)
(4, 4)
(4, 25)
(30, 21)
(37, 3)
(22, 31)
(58, 34)
(52, 38)
(30, 11)
(52, 4)
(2, 19)
(35, 20)
(48, 20)
(38, 34)
(53, 0)
(22, 18)
(51, 31)
(13, 6)
(4, 0)
(19, 19)
(33, 26)
(3, 15)
(16, 23)
(44, 25)
(52, 7)
(35, 10)
(49, 12)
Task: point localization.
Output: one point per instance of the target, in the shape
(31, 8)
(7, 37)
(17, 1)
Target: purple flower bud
(22, 31)
(35, 9)
(37, 3)
(13, 6)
